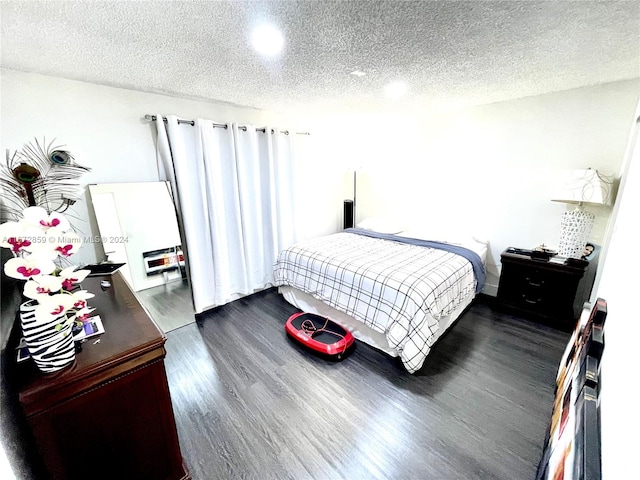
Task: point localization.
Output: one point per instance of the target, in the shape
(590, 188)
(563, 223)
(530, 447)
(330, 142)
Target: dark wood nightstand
(548, 291)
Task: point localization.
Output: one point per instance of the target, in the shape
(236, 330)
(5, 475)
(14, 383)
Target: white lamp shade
(585, 187)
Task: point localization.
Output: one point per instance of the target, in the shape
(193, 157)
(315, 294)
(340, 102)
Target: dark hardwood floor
(250, 404)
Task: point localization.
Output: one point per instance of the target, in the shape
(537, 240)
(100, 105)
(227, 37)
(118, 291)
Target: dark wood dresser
(548, 291)
(109, 415)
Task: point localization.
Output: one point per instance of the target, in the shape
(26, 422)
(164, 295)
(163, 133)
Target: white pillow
(476, 244)
(380, 225)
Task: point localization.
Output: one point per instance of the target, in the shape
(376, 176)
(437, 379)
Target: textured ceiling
(451, 54)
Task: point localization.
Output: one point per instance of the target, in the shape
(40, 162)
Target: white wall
(103, 127)
(491, 169)
(618, 285)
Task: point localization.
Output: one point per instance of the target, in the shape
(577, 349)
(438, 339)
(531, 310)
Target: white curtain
(233, 190)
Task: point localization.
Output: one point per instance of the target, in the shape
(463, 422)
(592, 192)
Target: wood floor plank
(250, 403)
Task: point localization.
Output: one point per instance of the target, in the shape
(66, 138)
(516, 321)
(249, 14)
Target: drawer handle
(532, 302)
(534, 284)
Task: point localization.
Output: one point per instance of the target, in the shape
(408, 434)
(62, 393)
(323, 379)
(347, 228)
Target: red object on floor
(319, 334)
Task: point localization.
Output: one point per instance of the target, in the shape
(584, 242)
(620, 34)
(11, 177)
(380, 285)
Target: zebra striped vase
(50, 348)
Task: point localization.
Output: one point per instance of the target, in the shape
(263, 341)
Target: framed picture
(572, 448)
(587, 463)
(581, 337)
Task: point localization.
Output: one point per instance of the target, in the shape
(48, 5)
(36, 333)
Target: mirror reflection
(138, 227)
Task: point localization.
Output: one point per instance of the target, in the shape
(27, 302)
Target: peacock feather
(40, 176)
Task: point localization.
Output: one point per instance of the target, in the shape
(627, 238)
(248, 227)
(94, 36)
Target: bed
(397, 292)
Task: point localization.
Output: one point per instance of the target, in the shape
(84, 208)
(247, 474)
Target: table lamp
(582, 187)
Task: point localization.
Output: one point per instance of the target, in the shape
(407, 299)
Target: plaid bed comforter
(397, 289)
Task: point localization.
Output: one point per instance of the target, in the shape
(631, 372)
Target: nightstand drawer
(539, 288)
(526, 288)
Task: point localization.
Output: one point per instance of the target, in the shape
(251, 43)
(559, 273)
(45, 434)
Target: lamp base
(574, 232)
(349, 220)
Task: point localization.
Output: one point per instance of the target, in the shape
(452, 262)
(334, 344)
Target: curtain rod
(221, 125)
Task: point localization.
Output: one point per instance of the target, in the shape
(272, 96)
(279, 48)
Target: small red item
(319, 334)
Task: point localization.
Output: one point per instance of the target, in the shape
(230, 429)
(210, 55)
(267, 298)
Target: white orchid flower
(82, 315)
(35, 287)
(33, 290)
(35, 235)
(80, 299)
(38, 216)
(68, 244)
(71, 276)
(46, 243)
(20, 237)
(52, 306)
(62, 243)
(9, 234)
(29, 267)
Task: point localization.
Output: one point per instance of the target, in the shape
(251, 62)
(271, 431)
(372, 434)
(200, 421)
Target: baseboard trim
(490, 290)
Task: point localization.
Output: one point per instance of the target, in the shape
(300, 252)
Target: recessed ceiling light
(267, 40)
(358, 73)
(396, 90)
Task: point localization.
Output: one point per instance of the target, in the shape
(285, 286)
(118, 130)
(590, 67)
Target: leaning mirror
(138, 227)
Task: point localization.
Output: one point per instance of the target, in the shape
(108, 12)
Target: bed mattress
(408, 293)
(373, 338)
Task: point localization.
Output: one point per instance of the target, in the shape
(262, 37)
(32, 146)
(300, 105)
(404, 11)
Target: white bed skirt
(362, 332)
